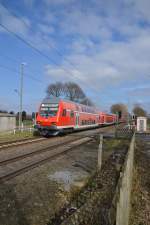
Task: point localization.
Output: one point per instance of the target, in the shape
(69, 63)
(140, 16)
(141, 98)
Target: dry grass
(140, 203)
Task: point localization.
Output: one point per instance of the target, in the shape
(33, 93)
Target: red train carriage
(110, 119)
(106, 119)
(102, 118)
(58, 116)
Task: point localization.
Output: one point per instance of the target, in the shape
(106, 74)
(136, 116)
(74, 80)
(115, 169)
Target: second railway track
(19, 162)
(12, 167)
(16, 143)
(8, 144)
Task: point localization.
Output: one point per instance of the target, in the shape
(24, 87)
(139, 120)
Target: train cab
(47, 117)
(59, 116)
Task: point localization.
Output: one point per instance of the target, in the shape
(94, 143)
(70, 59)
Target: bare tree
(69, 90)
(87, 101)
(74, 92)
(139, 111)
(56, 89)
(120, 109)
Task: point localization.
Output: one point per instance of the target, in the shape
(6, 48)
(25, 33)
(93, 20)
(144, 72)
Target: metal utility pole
(21, 94)
(128, 111)
(116, 124)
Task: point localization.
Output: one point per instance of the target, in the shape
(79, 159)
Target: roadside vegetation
(140, 203)
(4, 137)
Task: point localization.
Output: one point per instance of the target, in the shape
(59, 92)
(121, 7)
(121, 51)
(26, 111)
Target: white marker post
(100, 148)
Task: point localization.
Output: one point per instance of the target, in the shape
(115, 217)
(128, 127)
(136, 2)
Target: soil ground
(140, 205)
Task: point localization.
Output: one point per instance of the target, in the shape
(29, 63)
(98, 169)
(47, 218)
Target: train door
(103, 119)
(141, 125)
(77, 119)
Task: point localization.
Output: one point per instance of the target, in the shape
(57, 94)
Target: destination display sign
(49, 105)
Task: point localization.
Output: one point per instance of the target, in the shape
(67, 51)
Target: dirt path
(140, 211)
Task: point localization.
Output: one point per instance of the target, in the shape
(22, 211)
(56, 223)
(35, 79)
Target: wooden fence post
(100, 148)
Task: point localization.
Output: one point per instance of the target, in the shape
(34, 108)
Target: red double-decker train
(58, 116)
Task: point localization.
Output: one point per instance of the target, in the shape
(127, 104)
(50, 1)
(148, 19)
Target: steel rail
(69, 146)
(20, 142)
(36, 152)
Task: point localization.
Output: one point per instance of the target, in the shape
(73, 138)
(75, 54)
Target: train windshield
(49, 109)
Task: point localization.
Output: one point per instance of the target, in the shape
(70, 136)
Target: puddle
(68, 178)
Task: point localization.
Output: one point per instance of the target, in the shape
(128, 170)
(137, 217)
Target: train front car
(62, 116)
(47, 118)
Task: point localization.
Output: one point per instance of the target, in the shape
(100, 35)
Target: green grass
(4, 137)
(26, 123)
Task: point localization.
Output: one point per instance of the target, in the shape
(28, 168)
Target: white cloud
(112, 63)
(84, 24)
(22, 26)
(29, 3)
(110, 48)
(13, 23)
(140, 91)
(58, 2)
(46, 29)
(107, 41)
(141, 7)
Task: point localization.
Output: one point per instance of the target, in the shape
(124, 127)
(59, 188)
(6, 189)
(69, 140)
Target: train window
(72, 114)
(64, 112)
(77, 107)
(84, 122)
(83, 109)
(47, 110)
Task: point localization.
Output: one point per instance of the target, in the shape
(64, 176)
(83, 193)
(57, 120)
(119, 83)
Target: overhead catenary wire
(48, 44)
(36, 49)
(17, 72)
(39, 51)
(14, 60)
(33, 47)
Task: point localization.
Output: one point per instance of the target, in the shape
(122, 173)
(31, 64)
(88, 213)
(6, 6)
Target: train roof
(57, 100)
(51, 100)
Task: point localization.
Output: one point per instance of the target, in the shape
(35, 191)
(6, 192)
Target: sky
(104, 46)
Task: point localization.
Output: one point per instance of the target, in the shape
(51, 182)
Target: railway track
(8, 144)
(19, 162)
(14, 166)
(24, 141)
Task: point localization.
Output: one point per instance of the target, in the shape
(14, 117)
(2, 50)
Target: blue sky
(102, 45)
